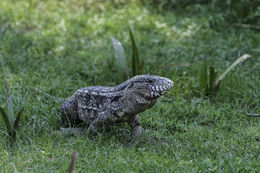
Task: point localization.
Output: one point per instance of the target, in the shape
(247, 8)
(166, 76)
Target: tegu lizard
(99, 106)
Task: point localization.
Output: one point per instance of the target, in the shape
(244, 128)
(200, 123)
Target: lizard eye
(150, 81)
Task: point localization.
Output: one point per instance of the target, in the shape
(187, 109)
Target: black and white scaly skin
(98, 106)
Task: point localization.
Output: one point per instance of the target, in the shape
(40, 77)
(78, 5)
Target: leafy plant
(208, 83)
(206, 79)
(121, 60)
(11, 120)
(137, 65)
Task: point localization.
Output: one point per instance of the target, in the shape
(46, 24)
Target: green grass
(61, 46)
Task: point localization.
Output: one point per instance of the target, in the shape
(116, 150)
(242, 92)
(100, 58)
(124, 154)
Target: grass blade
(239, 60)
(6, 120)
(18, 117)
(16, 123)
(166, 63)
(135, 56)
(141, 68)
(9, 105)
(120, 58)
(10, 110)
(212, 77)
(203, 76)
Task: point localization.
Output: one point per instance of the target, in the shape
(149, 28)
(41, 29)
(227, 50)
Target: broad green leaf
(239, 60)
(135, 56)
(120, 58)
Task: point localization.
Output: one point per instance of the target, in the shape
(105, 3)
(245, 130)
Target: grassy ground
(60, 46)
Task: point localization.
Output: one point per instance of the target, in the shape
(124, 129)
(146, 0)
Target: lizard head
(141, 92)
(150, 87)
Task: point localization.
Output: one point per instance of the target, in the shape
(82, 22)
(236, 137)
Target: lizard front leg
(103, 118)
(135, 124)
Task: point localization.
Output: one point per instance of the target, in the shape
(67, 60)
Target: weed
(10, 118)
(137, 65)
(121, 60)
(208, 83)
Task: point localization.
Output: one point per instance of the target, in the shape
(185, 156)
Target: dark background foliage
(233, 11)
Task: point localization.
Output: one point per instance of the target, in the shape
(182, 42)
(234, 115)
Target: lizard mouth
(160, 89)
